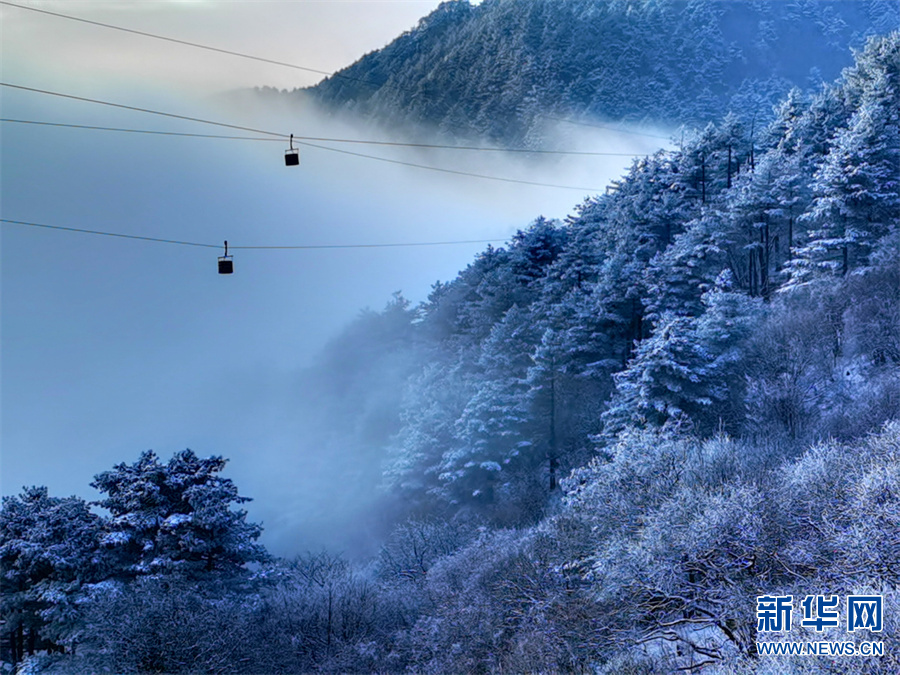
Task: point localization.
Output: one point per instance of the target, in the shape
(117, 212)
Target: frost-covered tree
(433, 402)
(857, 189)
(651, 391)
(762, 221)
(496, 426)
(550, 399)
(586, 246)
(682, 370)
(49, 548)
(177, 517)
(676, 279)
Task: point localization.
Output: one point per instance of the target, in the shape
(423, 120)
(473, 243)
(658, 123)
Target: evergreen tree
(762, 221)
(677, 278)
(433, 402)
(683, 368)
(857, 189)
(496, 426)
(176, 518)
(49, 548)
(549, 401)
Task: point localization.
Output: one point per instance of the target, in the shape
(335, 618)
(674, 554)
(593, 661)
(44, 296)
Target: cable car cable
(190, 44)
(400, 144)
(453, 171)
(321, 147)
(258, 248)
(139, 109)
(107, 234)
(138, 131)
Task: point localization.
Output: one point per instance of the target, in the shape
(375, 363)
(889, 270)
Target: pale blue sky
(320, 34)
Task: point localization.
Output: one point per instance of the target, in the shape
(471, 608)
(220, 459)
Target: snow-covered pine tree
(495, 428)
(856, 191)
(176, 518)
(433, 401)
(49, 549)
(683, 368)
(676, 279)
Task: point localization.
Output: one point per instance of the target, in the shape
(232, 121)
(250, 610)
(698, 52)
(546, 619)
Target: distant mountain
(497, 69)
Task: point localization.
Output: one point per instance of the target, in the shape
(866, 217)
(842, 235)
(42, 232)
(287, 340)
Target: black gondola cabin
(226, 263)
(292, 156)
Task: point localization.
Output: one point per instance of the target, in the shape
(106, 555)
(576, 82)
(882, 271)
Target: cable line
(284, 136)
(190, 44)
(137, 109)
(139, 131)
(452, 171)
(400, 144)
(294, 247)
(107, 234)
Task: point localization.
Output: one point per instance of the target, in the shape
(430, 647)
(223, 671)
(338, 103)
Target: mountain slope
(497, 68)
(691, 296)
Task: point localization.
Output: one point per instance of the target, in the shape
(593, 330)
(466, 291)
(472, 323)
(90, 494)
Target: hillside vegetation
(501, 68)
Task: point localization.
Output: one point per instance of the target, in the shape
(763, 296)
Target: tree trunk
(19, 645)
(729, 167)
(751, 274)
(752, 158)
(791, 237)
(330, 619)
(32, 640)
(553, 456)
(703, 179)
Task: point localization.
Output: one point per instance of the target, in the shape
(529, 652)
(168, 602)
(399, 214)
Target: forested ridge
(504, 69)
(596, 446)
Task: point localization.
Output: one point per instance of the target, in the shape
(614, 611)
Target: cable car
(292, 156)
(226, 264)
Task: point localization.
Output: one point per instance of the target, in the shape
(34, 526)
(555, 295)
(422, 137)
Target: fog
(113, 346)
